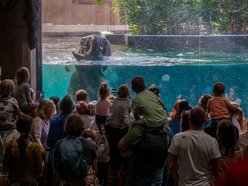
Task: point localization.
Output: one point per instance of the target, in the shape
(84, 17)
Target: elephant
(89, 77)
(93, 47)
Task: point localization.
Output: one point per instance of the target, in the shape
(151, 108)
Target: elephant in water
(93, 47)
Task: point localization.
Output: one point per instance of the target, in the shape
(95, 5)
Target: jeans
(143, 181)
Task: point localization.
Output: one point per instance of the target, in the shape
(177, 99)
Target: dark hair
(24, 127)
(66, 104)
(123, 91)
(203, 101)
(22, 75)
(185, 120)
(74, 125)
(138, 84)
(197, 116)
(219, 88)
(154, 88)
(227, 136)
(183, 105)
(103, 90)
(55, 100)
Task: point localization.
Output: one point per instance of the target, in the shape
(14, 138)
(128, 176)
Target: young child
(9, 112)
(116, 127)
(120, 117)
(218, 108)
(23, 92)
(154, 88)
(103, 106)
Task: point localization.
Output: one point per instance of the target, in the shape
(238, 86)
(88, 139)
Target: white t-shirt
(194, 149)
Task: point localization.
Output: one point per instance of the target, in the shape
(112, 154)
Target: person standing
(148, 113)
(193, 154)
(23, 158)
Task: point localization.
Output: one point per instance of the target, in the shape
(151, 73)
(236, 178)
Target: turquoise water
(178, 74)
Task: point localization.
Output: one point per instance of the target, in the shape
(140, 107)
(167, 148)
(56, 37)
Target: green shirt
(147, 105)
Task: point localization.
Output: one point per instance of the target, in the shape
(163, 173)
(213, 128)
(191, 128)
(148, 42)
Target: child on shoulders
(220, 107)
(9, 113)
(23, 91)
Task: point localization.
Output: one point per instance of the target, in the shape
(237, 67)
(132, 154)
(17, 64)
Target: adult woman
(228, 140)
(23, 158)
(45, 111)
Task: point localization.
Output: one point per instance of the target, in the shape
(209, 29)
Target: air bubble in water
(165, 77)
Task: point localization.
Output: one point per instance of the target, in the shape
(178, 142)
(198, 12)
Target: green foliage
(183, 16)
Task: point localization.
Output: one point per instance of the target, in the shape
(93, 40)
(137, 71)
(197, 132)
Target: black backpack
(72, 166)
(154, 145)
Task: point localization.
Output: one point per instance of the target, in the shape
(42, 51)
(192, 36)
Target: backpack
(72, 166)
(155, 144)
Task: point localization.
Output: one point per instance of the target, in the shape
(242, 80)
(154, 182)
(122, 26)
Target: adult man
(193, 154)
(143, 168)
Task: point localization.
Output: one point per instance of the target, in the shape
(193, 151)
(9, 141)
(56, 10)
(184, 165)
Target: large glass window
(182, 46)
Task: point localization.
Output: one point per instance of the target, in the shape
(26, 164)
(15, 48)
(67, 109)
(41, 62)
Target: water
(178, 74)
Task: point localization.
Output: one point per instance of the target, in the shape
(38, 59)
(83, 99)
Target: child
(154, 88)
(9, 112)
(218, 108)
(90, 178)
(103, 106)
(82, 95)
(116, 127)
(103, 110)
(84, 112)
(120, 117)
(22, 92)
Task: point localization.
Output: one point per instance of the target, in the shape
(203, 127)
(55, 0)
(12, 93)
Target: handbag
(91, 179)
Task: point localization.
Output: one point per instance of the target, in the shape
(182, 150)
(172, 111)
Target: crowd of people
(117, 141)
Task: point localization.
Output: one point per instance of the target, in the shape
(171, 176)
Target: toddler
(220, 107)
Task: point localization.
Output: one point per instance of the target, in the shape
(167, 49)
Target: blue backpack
(72, 166)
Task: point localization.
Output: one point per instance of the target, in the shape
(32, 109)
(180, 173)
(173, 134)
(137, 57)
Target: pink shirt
(220, 107)
(103, 107)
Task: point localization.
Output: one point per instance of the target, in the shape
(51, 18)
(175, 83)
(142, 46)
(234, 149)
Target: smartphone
(40, 95)
(113, 91)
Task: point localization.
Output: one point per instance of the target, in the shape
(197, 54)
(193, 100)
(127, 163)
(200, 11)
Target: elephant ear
(7, 5)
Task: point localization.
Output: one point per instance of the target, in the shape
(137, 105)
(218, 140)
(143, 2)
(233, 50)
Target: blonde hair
(7, 87)
(22, 75)
(103, 90)
(43, 104)
(81, 95)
